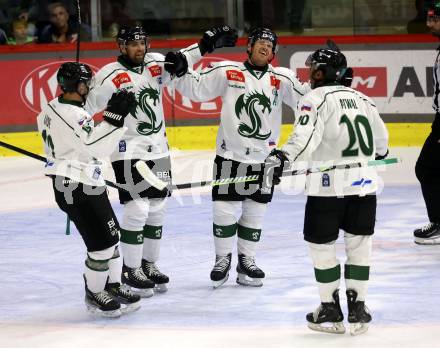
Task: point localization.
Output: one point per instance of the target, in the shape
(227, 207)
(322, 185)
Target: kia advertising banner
(32, 83)
(400, 82)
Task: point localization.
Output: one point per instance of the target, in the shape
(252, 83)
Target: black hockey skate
(137, 281)
(101, 303)
(157, 277)
(358, 314)
(248, 272)
(129, 301)
(327, 317)
(220, 272)
(428, 235)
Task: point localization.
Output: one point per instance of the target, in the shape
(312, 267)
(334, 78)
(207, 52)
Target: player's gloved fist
(379, 157)
(347, 78)
(277, 159)
(118, 107)
(176, 64)
(217, 37)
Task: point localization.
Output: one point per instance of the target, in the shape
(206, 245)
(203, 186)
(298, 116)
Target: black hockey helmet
(331, 62)
(70, 74)
(263, 34)
(127, 33)
(433, 10)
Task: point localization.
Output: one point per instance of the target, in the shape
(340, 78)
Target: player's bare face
(261, 52)
(135, 50)
(433, 23)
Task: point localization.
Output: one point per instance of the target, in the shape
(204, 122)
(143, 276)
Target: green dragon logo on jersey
(249, 104)
(146, 94)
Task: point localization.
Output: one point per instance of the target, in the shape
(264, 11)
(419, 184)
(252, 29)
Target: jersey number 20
(355, 136)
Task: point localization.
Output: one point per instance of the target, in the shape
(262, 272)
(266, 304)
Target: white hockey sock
(151, 247)
(223, 246)
(96, 269)
(249, 227)
(115, 267)
(131, 247)
(357, 266)
(247, 240)
(327, 269)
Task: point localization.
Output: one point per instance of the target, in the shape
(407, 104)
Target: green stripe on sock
(251, 234)
(357, 272)
(328, 275)
(132, 237)
(152, 232)
(224, 231)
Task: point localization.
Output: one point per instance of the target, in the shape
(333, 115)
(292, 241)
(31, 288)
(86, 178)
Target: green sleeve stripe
(105, 135)
(132, 237)
(328, 275)
(293, 84)
(356, 272)
(247, 233)
(224, 231)
(191, 49)
(62, 119)
(152, 232)
(308, 141)
(105, 78)
(217, 67)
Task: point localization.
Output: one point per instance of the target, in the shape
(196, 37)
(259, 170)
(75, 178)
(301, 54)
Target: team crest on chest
(146, 97)
(254, 105)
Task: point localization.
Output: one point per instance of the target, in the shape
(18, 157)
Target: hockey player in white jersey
(335, 125)
(73, 145)
(145, 74)
(252, 94)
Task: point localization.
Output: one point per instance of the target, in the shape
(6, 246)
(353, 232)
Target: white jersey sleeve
(192, 54)
(293, 89)
(379, 129)
(205, 85)
(337, 125)
(73, 143)
(101, 89)
(308, 130)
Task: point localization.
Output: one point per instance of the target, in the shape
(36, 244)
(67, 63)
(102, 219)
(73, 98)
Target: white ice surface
(41, 289)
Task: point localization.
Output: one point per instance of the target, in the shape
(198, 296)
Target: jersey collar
(139, 69)
(253, 68)
(71, 102)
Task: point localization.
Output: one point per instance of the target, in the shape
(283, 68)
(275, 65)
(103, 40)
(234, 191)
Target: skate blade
(427, 241)
(243, 279)
(217, 283)
(105, 314)
(160, 288)
(358, 328)
(132, 307)
(334, 328)
(144, 293)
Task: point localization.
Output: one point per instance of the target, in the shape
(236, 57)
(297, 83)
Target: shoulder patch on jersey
(155, 70)
(120, 79)
(306, 107)
(275, 82)
(235, 75)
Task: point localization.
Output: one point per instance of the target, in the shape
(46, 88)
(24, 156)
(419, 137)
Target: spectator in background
(61, 29)
(20, 34)
(3, 37)
(417, 25)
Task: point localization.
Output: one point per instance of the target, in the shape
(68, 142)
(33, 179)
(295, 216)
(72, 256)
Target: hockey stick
(43, 159)
(149, 176)
(78, 39)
